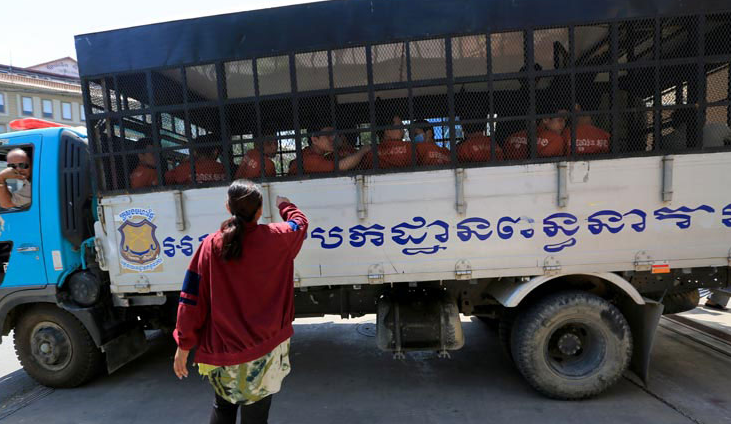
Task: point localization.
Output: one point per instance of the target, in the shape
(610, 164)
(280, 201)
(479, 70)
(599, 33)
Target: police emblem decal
(139, 248)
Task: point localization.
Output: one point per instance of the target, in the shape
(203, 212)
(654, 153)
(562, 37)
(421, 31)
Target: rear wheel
(571, 345)
(55, 348)
(676, 303)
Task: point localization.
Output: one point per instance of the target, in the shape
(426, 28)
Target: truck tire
(676, 303)
(54, 347)
(571, 345)
(504, 332)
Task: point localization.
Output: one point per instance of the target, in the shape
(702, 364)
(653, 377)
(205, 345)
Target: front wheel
(55, 348)
(571, 345)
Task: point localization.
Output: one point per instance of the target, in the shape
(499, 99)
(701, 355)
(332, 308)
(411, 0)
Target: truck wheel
(55, 348)
(676, 303)
(571, 345)
(504, 331)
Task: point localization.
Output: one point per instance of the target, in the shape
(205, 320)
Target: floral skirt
(251, 381)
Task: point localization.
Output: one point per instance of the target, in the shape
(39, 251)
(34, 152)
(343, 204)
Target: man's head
(324, 142)
(394, 134)
(208, 152)
(554, 123)
(270, 146)
(423, 131)
(146, 158)
(19, 160)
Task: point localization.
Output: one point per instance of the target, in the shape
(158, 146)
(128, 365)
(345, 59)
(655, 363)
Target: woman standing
(237, 306)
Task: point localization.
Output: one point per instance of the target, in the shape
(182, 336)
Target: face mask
(419, 138)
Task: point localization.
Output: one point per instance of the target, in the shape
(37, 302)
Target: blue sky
(35, 32)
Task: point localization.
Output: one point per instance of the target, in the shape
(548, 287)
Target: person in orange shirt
(428, 152)
(250, 167)
(393, 151)
(318, 157)
(476, 146)
(549, 141)
(145, 173)
(207, 167)
(590, 140)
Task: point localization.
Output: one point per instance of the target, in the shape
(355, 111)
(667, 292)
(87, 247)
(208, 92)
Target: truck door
(21, 251)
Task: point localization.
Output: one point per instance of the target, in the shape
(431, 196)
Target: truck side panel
(614, 219)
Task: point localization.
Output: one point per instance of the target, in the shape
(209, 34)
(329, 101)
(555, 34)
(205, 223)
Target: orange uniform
(431, 154)
(250, 166)
(549, 144)
(391, 154)
(590, 140)
(206, 170)
(313, 163)
(143, 176)
(477, 149)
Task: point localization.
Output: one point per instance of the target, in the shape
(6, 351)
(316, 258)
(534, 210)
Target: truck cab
(50, 286)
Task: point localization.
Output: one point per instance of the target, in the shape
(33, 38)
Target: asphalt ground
(339, 376)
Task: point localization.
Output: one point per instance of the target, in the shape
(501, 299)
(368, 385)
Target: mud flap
(124, 349)
(643, 321)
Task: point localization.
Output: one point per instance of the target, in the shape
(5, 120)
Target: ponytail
(244, 201)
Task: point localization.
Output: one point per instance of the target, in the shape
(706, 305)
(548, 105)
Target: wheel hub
(569, 344)
(51, 347)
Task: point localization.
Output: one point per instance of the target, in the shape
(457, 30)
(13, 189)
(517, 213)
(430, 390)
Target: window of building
(47, 108)
(66, 111)
(82, 116)
(2, 103)
(27, 104)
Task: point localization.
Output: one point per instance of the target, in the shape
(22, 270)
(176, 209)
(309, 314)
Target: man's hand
(281, 200)
(10, 174)
(181, 363)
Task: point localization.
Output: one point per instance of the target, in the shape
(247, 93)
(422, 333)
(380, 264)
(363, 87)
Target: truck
(573, 255)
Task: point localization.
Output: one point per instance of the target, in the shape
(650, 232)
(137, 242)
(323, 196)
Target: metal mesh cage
(589, 90)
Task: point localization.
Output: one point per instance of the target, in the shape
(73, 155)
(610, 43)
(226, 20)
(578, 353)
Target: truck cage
(640, 71)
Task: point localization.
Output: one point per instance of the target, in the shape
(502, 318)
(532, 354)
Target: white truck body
(691, 229)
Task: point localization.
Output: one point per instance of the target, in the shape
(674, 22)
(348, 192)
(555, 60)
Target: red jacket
(240, 310)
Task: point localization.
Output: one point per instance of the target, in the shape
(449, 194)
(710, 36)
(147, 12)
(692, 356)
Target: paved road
(340, 376)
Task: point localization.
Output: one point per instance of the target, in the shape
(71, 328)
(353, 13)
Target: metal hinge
(643, 261)
(142, 285)
(361, 197)
(729, 257)
(100, 259)
(375, 274)
(463, 270)
(179, 212)
(551, 266)
(461, 203)
(563, 191)
(667, 178)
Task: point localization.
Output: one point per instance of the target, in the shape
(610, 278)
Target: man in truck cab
(207, 166)
(19, 168)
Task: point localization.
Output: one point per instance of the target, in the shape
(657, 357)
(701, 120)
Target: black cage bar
(602, 87)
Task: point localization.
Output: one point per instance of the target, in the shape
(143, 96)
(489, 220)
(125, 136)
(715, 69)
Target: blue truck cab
(52, 292)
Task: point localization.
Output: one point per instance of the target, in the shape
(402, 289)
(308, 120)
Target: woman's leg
(223, 412)
(257, 412)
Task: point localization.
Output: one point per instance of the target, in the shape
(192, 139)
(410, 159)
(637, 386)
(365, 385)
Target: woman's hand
(181, 363)
(281, 200)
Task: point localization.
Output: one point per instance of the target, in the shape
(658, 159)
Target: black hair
(244, 200)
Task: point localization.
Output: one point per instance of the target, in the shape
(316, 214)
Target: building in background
(49, 91)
